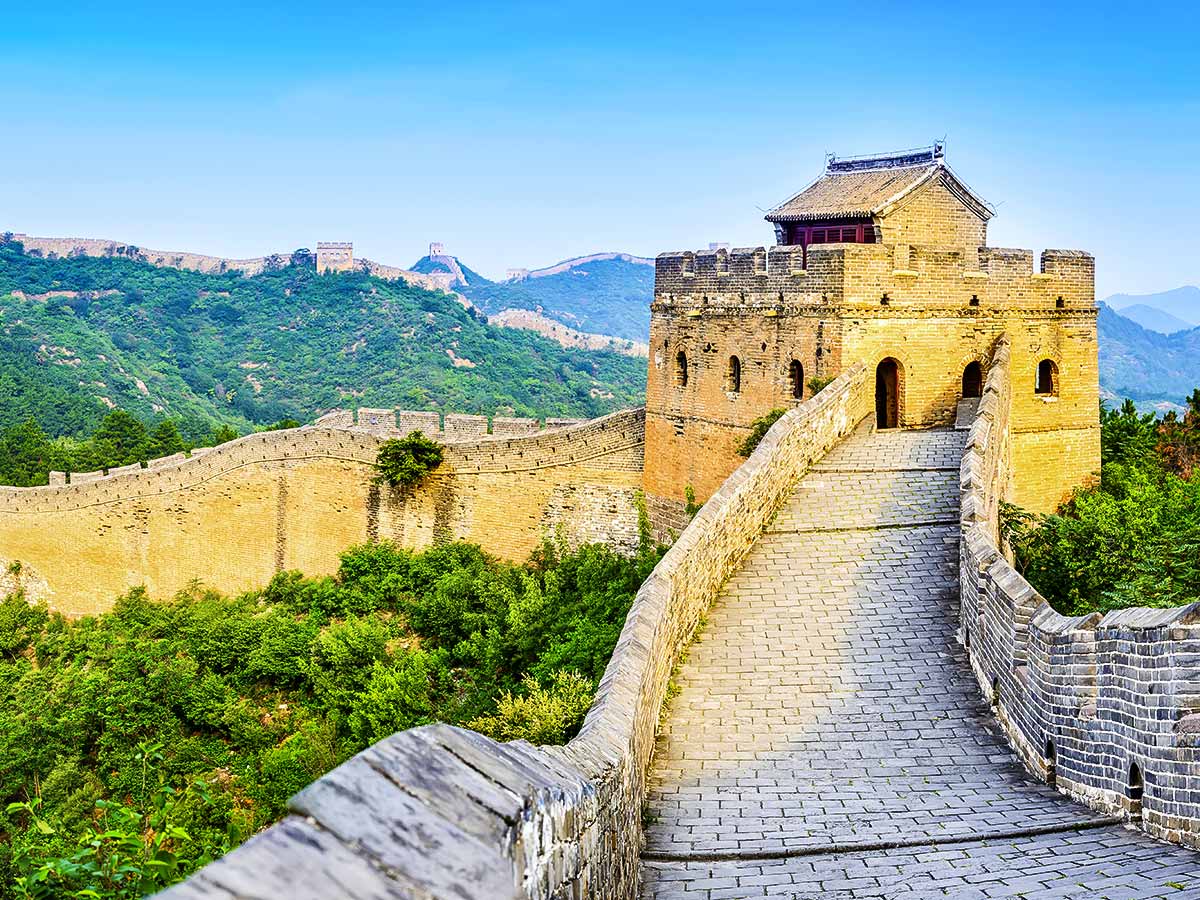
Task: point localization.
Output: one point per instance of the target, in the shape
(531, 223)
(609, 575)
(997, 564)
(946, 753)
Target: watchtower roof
(867, 186)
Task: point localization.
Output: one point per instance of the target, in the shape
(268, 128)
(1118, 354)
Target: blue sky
(521, 134)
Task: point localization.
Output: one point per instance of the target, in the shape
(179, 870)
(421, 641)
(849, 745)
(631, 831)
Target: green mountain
(605, 293)
(83, 334)
(1145, 365)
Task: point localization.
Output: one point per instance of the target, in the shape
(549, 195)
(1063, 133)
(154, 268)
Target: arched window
(972, 380)
(796, 379)
(1051, 760)
(681, 372)
(733, 375)
(1047, 378)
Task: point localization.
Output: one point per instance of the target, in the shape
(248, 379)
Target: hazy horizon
(525, 135)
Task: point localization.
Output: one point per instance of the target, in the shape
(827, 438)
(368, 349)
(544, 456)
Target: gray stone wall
(1105, 708)
(444, 812)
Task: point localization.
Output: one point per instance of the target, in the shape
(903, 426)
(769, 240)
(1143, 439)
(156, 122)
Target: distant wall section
(235, 515)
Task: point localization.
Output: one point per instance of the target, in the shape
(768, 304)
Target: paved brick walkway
(826, 713)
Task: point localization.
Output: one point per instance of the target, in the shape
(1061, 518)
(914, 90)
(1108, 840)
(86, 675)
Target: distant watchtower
(883, 260)
(333, 256)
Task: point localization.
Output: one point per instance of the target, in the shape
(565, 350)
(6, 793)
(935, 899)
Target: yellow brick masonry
(236, 515)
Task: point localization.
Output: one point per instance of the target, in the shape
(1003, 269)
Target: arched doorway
(887, 394)
(972, 381)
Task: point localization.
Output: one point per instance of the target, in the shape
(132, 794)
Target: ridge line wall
(202, 262)
(440, 811)
(1091, 704)
(298, 498)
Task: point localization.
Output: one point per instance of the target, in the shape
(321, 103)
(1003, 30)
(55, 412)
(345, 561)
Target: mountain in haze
(1180, 305)
(1155, 319)
(604, 293)
(1145, 365)
(80, 335)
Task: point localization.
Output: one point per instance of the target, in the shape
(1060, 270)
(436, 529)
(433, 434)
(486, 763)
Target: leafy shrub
(541, 715)
(758, 430)
(206, 712)
(818, 383)
(397, 696)
(405, 461)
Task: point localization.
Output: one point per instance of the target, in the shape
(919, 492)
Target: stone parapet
(1105, 708)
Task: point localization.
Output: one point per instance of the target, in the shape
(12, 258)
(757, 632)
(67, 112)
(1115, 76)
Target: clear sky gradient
(521, 134)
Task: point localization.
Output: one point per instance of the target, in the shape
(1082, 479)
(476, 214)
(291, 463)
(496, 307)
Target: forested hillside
(601, 296)
(79, 336)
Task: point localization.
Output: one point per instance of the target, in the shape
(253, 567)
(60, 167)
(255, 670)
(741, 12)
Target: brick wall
(235, 515)
(441, 811)
(1087, 702)
(933, 215)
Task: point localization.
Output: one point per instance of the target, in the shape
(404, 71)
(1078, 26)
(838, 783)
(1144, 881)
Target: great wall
(340, 258)
(834, 684)
(300, 497)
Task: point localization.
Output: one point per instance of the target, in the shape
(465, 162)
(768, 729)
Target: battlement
(910, 275)
(448, 428)
(1088, 700)
(443, 427)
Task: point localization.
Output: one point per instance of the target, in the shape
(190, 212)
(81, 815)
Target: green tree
(405, 461)
(121, 439)
(26, 455)
(165, 439)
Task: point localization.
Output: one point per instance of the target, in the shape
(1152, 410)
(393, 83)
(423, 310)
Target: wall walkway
(828, 741)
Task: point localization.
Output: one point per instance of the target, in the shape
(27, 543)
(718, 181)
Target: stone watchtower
(882, 260)
(335, 256)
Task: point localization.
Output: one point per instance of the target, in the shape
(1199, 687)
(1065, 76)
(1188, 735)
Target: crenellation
(506, 426)
(163, 461)
(460, 427)
(428, 423)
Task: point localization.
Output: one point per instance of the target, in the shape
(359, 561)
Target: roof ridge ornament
(918, 156)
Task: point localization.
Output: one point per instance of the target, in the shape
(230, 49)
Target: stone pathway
(829, 740)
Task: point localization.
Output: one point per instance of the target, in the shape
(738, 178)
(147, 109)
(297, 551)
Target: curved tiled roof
(870, 187)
